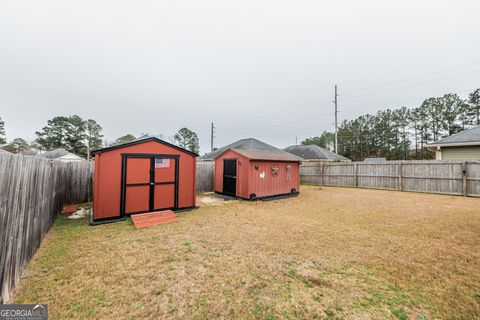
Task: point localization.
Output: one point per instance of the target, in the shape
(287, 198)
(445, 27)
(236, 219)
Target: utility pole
(336, 121)
(211, 137)
(296, 140)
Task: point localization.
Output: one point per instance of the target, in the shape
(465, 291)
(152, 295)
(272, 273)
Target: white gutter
(457, 144)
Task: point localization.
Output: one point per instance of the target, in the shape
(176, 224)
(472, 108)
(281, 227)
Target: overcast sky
(263, 69)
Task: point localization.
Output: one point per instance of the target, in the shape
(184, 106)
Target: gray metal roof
(55, 154)
(314, 152)
(243, 144)
(277, 155)
(469, 136)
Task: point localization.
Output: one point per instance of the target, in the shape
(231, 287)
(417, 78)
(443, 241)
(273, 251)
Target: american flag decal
(162, 163)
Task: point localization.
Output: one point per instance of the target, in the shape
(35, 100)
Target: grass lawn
(334, 253)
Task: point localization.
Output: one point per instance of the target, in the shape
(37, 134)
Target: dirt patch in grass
(329, 253)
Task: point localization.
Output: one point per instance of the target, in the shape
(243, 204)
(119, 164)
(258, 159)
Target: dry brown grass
(329, 253)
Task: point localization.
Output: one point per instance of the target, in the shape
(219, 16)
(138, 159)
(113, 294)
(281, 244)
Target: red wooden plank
(71, 208)
(158, 215)
(148, 214)
(154, 223)
(153, 218)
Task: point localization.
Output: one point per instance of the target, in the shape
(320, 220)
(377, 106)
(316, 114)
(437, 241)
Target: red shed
(142, 176)
(256, 174)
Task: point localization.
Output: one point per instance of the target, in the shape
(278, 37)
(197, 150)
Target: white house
(464, 145)
(62, 155)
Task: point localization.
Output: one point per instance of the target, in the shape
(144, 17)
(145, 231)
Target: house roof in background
(4, 151)
(56, 153)
(468, 137)
(276, 155)
(314, 152)
(147, 136)
(243, 144)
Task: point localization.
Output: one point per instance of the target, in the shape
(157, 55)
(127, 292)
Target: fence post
(321, 174)
(400, 174)
(464, 179)
(355, 180)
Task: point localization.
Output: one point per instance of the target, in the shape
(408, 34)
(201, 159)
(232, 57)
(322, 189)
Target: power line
(296, 131)
(413, 85)
(313, 104)
(309, 105)
(291, 110)
(385, 104)
(411, 78)
(267, 121)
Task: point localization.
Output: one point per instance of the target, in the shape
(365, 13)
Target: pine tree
(124, 139)
(71, 133)
(474, 106)
(18, 145)
(93, 133)
(2, 132)
(187, 139)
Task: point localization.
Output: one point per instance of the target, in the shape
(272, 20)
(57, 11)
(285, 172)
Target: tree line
(403, 133)
(80, 137)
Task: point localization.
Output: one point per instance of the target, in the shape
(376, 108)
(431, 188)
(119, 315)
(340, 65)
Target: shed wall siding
(461, 153)
(271, 184)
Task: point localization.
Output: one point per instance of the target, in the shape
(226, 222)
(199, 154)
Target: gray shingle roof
(314, 152)
(243, 144)
(277, 155)
(469, 136)
(54, 154)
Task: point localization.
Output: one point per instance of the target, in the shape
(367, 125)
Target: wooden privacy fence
(444, 177)
(33, 191)
(205, 172)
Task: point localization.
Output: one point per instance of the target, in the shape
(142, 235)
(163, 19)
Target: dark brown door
(230, 177)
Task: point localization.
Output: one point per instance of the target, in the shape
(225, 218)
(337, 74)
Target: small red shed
(142, 176)
(256, 174)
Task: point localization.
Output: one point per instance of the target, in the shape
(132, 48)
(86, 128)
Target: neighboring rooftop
(468, 137)
(276, 155)
(4, 151)
(55, 153)
(314, 152)
(243, 144)
(148, 136)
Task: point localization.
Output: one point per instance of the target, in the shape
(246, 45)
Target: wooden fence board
(444, 177)
(33, 191)
(205, 173)
(341, 174)
(473, 178)
(310, 173)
